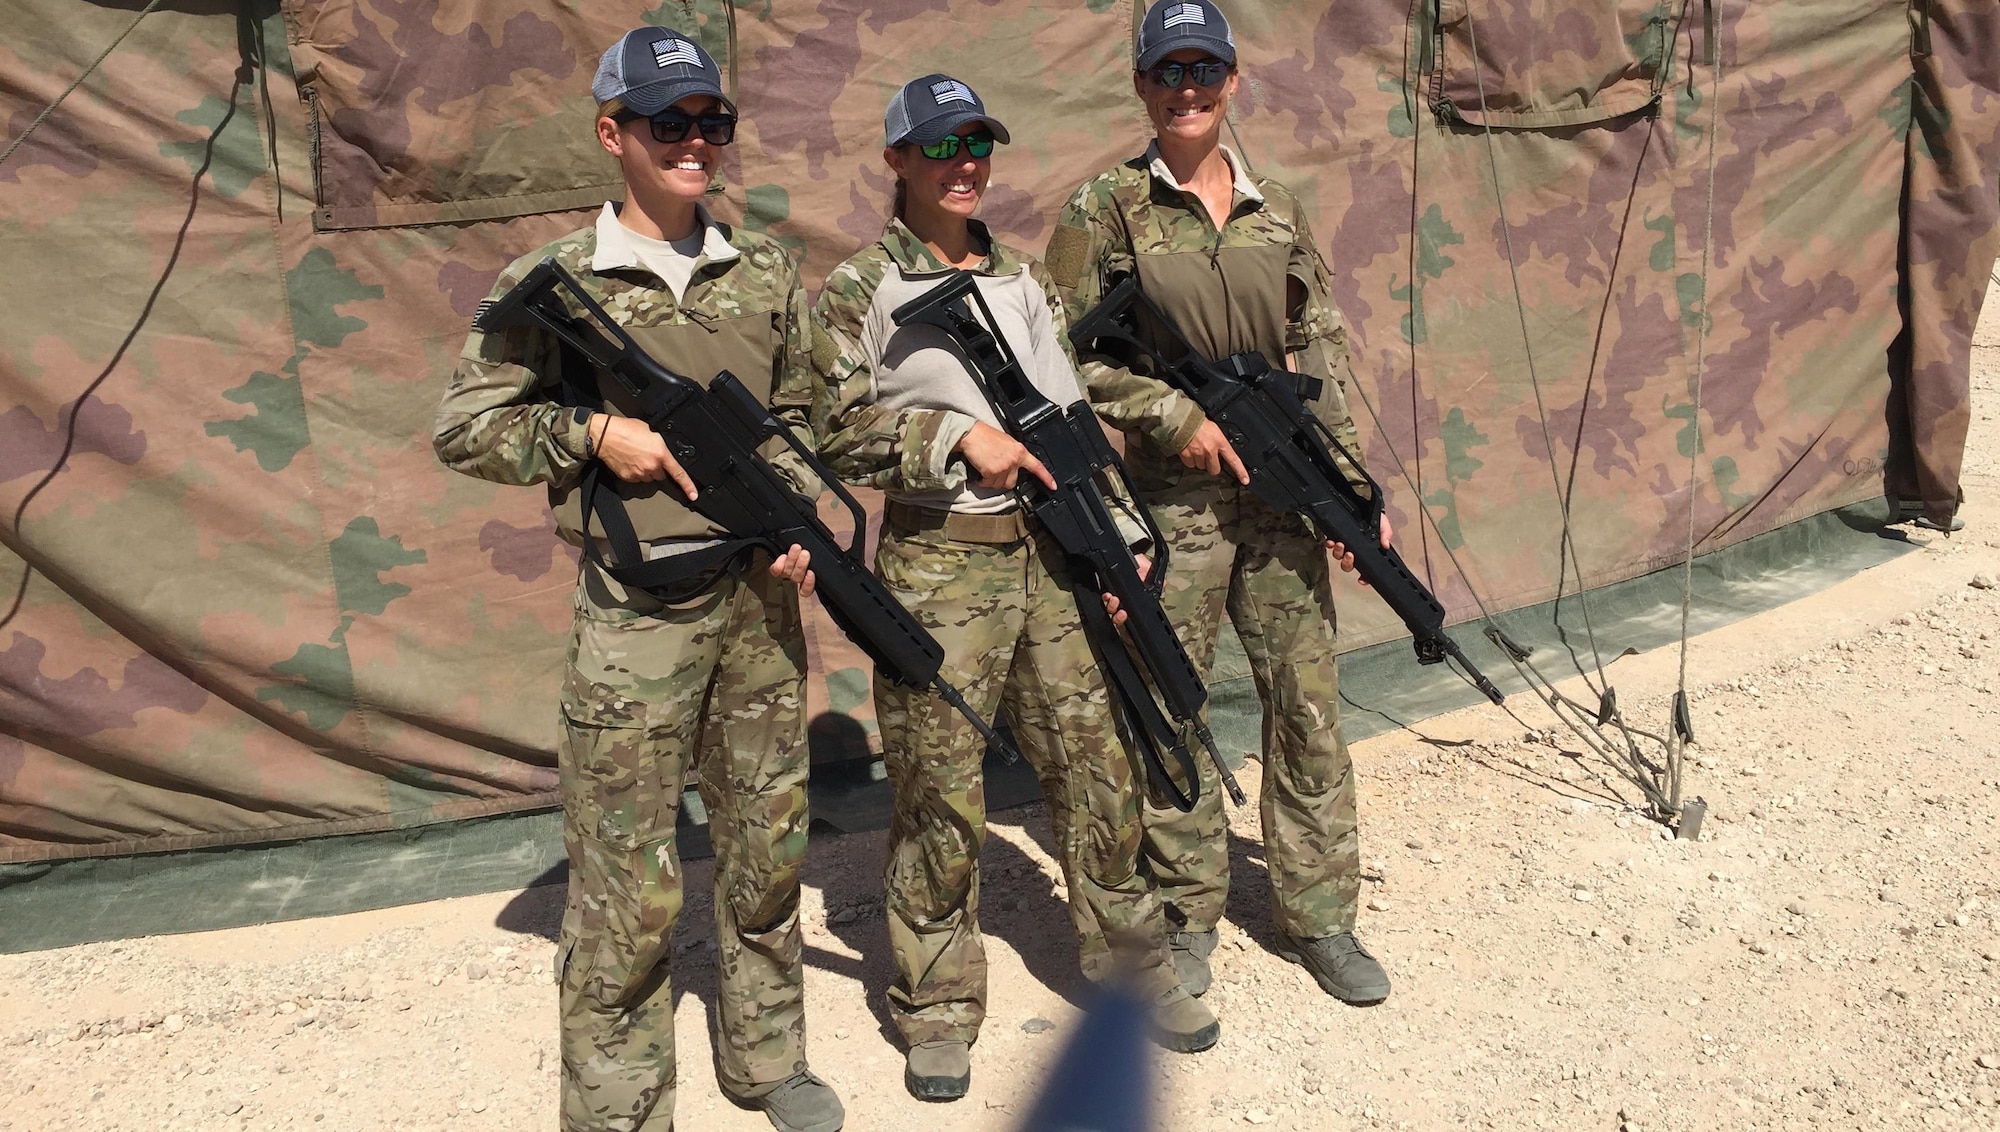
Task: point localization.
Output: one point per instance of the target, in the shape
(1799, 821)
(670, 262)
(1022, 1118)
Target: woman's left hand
(792, 566)
(1346, 558)
(1118, 615)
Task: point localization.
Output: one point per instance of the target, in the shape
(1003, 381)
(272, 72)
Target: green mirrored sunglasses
(944, 149)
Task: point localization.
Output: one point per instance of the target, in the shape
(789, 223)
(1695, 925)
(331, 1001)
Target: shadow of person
(836, 737)
(850, 888)
(1019, 898)
(1249, 905)
(538, 908)
(1017, 904)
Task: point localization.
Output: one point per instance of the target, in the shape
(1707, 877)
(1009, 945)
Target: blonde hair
(610, 108)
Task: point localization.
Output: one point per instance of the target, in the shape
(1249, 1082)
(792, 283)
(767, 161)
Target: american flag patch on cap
(951, 90)
(667, 52)
(1184, 14)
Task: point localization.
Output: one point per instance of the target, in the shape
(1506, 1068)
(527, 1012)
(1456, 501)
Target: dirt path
(1826, 956)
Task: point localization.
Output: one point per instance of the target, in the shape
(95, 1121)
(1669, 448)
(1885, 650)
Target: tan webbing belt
(1010, 526)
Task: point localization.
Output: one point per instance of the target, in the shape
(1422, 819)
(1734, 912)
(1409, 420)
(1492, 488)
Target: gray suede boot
(1339, 965)
(938, 1071)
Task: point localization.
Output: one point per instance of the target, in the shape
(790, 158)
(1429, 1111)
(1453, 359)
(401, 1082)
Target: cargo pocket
(918, 566)
(561, 967)
(626, 888)
(1107, 811)
(1316, 761)
(621, 794)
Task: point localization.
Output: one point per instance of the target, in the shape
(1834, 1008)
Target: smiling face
(1186, 113)
(661, 170)
(950, 187)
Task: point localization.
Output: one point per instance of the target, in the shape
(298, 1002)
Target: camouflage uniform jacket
(508, 415)
(892, 404)
(1226, 289)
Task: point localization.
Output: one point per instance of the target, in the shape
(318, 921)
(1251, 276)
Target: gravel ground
(1827, 955)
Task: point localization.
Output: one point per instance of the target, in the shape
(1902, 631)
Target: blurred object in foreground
(1103, 1082)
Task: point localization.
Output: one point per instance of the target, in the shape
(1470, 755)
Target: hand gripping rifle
(1072, 446)
(1295, 462)
(714, 434)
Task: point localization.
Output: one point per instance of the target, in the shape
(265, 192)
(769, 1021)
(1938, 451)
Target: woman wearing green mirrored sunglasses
(896, 408)
(978, 143)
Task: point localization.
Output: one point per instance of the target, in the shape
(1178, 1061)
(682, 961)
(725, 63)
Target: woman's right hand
(635, 453)
(999, 459)
(1210, 451)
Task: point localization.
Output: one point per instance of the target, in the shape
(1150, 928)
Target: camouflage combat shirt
(508, 418)
(899, 399)
(892, 402)
(1224, 289)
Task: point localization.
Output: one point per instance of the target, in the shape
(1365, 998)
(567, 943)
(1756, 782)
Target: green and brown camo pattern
(1116, 216)
(242, 259)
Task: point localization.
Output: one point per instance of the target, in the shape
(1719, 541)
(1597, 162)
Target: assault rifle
(714, 434)
(1071, 445)
(1295, 462)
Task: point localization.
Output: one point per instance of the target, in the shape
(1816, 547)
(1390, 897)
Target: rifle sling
(675, 578)
(1147, 725)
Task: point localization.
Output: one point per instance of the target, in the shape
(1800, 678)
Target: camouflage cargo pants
(649, 687)
(1012, 635)
(1232, 551)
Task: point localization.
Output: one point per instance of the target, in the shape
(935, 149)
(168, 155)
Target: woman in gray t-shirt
(895, 408)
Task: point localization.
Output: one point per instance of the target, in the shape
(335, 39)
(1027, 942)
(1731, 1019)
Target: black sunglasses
(1204, 72)
(671, 126)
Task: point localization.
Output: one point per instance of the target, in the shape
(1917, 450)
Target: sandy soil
(1827, 955)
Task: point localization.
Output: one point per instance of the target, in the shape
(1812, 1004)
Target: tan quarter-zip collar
(1240, 183)
(615, 253)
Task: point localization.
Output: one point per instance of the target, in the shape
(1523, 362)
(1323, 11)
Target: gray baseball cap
(650, 69)
(1173, 24)
(927, 109)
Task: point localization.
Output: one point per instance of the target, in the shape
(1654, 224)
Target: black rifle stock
(1295, 462)
(714, 433)
(1072, 446)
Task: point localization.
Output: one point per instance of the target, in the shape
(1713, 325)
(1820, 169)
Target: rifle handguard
(1295, 462)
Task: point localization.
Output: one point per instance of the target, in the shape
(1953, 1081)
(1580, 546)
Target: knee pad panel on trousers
(627, 903)
(1306, 735)
(625, 887)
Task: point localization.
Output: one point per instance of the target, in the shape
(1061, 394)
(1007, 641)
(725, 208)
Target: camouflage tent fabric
(240, 601)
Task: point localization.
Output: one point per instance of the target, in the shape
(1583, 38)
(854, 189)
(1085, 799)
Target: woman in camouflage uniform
(897, 410)
(1228, 255)
(700, 673)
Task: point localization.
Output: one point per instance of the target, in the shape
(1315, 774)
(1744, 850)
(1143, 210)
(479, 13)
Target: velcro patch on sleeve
(1069, 249)
(825, 351)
